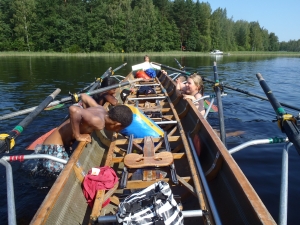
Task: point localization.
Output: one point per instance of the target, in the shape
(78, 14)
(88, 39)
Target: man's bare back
(88, 120)
(82, 123)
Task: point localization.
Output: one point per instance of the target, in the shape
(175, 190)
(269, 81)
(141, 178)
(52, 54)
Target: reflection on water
(26, 81)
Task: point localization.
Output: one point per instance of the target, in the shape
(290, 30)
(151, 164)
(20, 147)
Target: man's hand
(84, 137)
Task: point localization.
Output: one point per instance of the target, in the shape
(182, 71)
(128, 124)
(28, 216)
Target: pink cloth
(105, 180)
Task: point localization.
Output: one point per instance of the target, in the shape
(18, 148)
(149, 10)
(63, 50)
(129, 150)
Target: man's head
(121, 116)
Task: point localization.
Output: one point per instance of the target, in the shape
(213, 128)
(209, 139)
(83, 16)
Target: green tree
(192, 35)
(167, 32)
(180, 18)
(145, 27)
(256, 40)
(242, 35)
(97, 28)
(274, 43)
(4, 27)
(216, 28)
(265, 39)
(202, 17)
(23, 15)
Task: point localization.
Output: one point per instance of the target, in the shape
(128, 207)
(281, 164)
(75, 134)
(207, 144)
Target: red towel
(105, 180)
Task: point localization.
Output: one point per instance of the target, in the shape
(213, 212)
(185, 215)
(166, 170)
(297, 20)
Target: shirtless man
(82, 122)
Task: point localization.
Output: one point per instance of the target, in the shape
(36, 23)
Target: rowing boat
(211, 187)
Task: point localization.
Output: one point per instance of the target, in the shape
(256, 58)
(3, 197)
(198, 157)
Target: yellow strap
(12, 141)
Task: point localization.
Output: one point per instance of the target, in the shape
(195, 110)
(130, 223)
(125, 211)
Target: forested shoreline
(74, 26)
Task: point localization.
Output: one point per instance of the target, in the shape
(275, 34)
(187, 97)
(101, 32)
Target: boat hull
(235, 200)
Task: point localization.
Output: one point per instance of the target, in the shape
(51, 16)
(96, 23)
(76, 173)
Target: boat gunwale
(258, 206)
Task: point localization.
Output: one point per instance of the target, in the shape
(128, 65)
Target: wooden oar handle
(55, 93)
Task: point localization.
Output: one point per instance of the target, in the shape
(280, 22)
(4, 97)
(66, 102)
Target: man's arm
(111, 99)
(75, 120)
(88, 101)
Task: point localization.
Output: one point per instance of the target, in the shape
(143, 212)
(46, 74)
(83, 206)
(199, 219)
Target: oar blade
(213, 108)
(54, 107)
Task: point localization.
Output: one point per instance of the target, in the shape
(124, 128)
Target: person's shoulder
(198, 95)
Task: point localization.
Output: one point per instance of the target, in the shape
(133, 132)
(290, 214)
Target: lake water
(27, 81)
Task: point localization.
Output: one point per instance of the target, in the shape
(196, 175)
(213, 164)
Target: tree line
(128, 26)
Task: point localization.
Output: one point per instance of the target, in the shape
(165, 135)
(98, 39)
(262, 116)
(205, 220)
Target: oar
(99, 80)
(251, 94)
(7, 141)
(171, 68)
(178, 63)
(119, 67)
(286, 122)
(219, 103)
(107, 73)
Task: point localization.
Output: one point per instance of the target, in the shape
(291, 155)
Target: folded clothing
(105, 180)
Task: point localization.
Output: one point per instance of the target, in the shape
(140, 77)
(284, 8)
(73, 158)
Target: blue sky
(279, 17)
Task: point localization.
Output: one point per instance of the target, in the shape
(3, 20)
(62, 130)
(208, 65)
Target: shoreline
(171, 53)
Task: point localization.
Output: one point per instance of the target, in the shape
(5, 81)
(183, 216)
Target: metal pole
(10, 194)
(283, 205)
(210, 200)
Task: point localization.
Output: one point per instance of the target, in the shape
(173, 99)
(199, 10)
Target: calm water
(27, 81)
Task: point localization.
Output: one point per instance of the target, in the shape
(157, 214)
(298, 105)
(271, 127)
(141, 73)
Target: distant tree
(265, 39)
(242, 35)
(274, 43)
(203, 23)
(216, 28)
(4, 28)
(181, 18)
(228, 38)
(167, 34)
(145, 26)
(97, 28)
(256, 41)
(115, 18)
(23, 15)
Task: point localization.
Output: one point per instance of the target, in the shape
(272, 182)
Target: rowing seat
(149, 158)
(160, 159)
